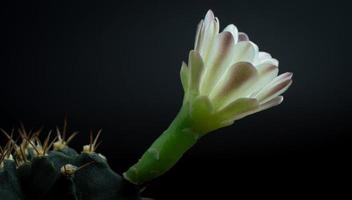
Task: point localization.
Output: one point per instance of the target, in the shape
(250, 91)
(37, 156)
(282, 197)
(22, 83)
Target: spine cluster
(48, 169)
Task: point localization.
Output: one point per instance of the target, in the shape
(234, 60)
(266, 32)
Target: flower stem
(165, 151)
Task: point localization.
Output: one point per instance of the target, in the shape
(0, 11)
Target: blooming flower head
(228, 78)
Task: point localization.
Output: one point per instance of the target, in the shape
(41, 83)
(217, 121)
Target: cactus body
(9, 183)
(60, 174)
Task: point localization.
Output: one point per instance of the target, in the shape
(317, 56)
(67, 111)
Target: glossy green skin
(40, 179)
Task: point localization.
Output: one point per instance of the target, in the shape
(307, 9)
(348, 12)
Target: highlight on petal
(219, 60)
(275, 88)
(245, 52)
(236, 82)
(209, 17)
(184, 74)
(272, 61)
(196, 69)
(264, 57)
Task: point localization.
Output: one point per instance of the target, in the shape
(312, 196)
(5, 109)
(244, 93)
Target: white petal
(196, 69)
(263, 55)
(245, 52)
(284, 76)
(219, 60)
(275, 88)
(209, 30)
(234, 84)
(272, 61)
(209, 17)
(198, 36)
(274, 102)
(242, 37)
(233, 30)
(237, 108)
(267, 72)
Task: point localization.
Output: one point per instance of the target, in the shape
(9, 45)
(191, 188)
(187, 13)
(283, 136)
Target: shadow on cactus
(33, 170)
(226, 78)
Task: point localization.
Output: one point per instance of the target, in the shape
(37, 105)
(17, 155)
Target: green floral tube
(165, 151)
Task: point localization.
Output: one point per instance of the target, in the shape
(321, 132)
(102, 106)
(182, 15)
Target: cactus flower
(226, 78)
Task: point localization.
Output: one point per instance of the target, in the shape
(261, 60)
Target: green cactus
(51, 170)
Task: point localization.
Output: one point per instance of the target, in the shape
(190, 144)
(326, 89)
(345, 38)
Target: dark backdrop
(115, 65)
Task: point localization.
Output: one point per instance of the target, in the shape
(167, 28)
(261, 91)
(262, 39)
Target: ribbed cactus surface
(51, 170)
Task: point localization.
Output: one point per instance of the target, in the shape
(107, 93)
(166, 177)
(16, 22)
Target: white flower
(228, 78)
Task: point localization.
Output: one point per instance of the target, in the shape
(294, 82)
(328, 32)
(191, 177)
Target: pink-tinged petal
(242, 37)
(266, 73)
(274, 102)
(184, 74)
(245, 52)
(209, 17)
(234, 84)
(276, 87)
(196, 69)
(284, 76)
(233, 30)
(237, 108)
(219, 59)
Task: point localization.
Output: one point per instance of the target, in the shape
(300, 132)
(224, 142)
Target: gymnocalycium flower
(226, 78)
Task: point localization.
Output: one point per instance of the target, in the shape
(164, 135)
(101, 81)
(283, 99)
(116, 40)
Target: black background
(115, 65)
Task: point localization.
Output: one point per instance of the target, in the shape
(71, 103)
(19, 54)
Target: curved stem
(165, 151)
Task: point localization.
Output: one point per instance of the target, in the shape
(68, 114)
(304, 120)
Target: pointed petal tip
(210, 12)
(287, 75)
(209, 16)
